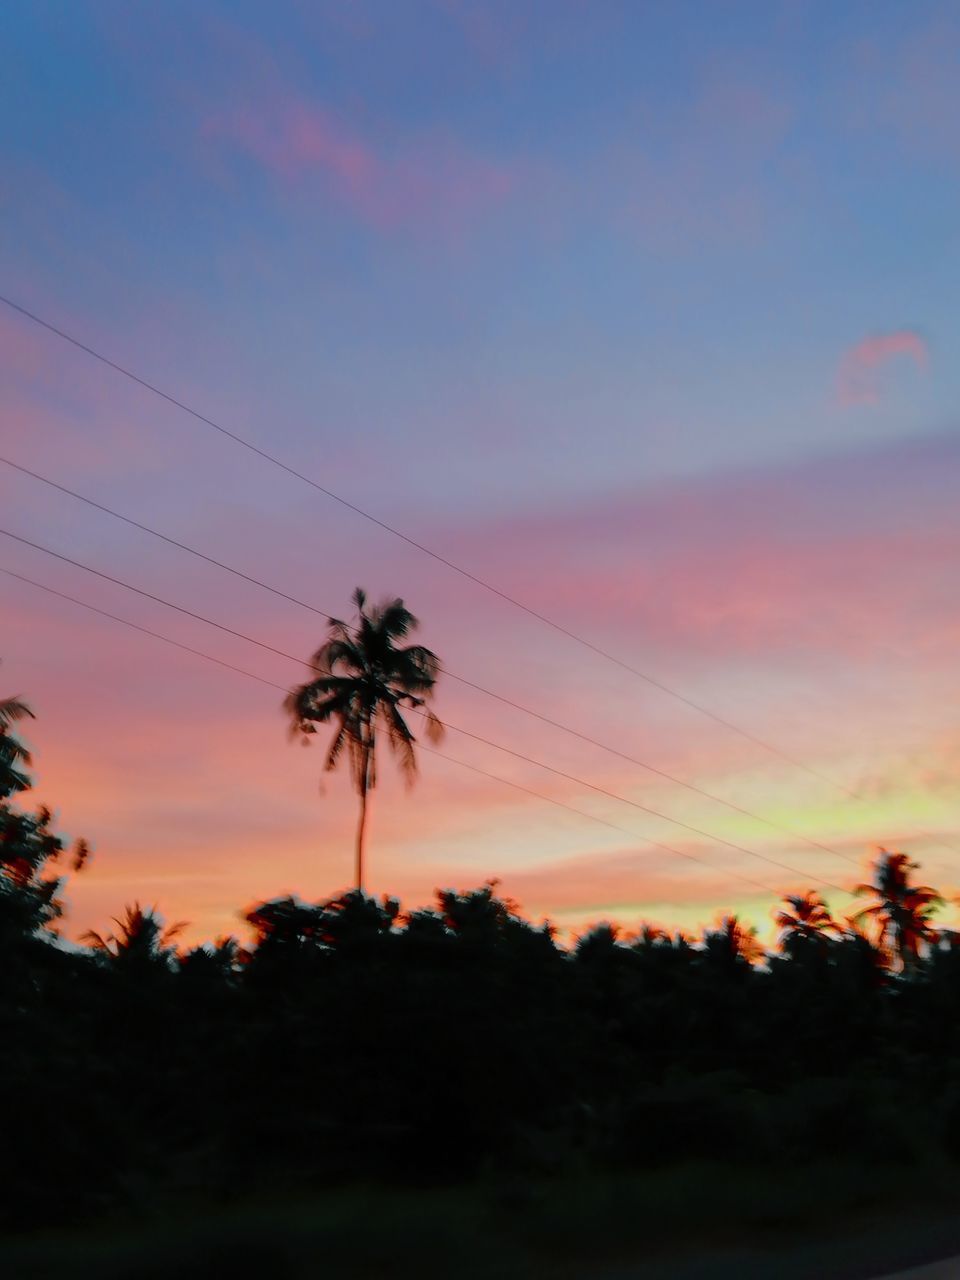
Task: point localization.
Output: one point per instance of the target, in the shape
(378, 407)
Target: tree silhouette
(141, 938)
(14, 756)
(732, 946)
(28, 893)
(353, 1041)
(649, 936)
(902, 911)
(362, 681)
(28, 844)
(219, 961)
(599, 943)
(805, 922)
(340, 1046)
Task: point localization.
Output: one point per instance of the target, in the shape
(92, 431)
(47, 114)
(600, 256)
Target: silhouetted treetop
(902, 911)
(363, 681)
(805, 921)
(14, 757)
(140, 939)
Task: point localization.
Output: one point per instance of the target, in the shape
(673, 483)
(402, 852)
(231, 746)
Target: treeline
(352, 1042)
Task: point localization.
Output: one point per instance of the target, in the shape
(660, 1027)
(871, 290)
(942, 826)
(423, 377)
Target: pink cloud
(296, 140)
(763, 598)
(431, 181)
(832, 558)
(857, 381)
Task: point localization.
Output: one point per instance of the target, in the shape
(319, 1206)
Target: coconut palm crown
(902, 910)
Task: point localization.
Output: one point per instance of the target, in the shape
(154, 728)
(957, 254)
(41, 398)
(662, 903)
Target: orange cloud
(857, 381)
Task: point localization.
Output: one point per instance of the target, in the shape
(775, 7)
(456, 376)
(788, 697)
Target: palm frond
(173, 931)
(81, 854)
(317, 702)
(95, 941)
(435, 727)
(341, 651)
(12, 750)
(395, 620)
(12, 710)
(340, 739)
(400, 738)
(416, 662)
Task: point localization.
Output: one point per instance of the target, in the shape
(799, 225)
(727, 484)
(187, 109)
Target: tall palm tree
(362, 679)
(805, 920)
(902, 911)
(14, 756)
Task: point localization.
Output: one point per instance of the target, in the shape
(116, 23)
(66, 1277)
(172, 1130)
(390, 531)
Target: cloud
(429, 182)
(842, 556)
(857, 374)
(296, 139)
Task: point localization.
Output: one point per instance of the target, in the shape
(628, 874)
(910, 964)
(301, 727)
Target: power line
(419, 546)
(635, 804)
(147, 631)
(199, 653)
(272, 684)
(490, 693)
(261, 644)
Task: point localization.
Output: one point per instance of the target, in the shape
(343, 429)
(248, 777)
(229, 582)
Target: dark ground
(695, 1223)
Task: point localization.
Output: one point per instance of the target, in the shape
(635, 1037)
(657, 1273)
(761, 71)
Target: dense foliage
(352, 1042)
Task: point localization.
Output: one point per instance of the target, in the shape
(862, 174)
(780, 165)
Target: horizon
(660, 347)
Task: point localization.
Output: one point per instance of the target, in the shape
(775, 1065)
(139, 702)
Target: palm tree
(140, 938)
(805, 921)
(902, 910)
(732, 945)
(13, 754)
(649, 936)
(361, 681)
(221, 960)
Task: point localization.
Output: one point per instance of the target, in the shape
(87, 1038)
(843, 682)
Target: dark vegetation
(352, 1045)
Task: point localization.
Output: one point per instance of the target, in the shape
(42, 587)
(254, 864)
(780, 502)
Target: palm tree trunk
(360, 831)
(367, 748)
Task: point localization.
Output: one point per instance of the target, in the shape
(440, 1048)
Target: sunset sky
(645, 313)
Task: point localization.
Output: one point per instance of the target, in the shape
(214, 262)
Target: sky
(644, 313)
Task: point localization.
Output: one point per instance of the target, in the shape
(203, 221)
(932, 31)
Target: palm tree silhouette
(140, 938)
(219, 961)
(901, 910)
(732, 944)
(805, 921)
(362, 681)
(13, 754)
